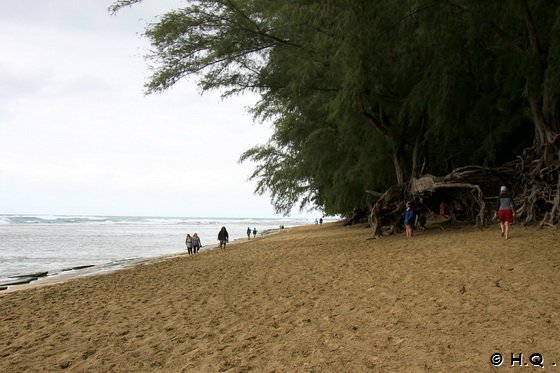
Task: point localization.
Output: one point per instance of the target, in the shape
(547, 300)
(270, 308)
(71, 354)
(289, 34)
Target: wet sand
(308, 299)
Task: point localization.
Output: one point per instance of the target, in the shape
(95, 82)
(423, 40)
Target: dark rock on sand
(37, 274)
(77, 267)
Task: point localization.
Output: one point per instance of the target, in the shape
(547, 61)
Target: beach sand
(308, 299)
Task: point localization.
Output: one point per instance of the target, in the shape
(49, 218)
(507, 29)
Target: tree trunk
(388, 206)
(399, 169)
(399, 157)
(542, 113)
(543, 131)
(416, 171)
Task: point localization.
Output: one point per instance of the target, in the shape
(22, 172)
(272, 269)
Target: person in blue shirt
(408, 216)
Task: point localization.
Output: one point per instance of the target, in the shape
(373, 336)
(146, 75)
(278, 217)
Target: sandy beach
(308, 299)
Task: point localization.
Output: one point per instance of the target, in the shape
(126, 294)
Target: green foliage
(358, 89)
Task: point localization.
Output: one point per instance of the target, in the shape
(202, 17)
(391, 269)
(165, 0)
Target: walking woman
(189, 243)
(196, 243)
(505, 210)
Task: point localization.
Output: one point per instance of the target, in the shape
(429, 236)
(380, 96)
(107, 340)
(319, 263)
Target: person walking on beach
(223, 237)
(248, 233)
(189, 243)
(505, 210)
(254, 232)
(408, 216)
(196, 243)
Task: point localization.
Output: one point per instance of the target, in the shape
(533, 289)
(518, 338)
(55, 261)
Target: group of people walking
(254, 231)
(193, 243)
(505, 213)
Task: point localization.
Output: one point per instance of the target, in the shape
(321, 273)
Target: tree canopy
(363, 95)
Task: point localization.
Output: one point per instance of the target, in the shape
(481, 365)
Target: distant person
(321, 221)
(505, 210)
(316, 221)
(408, 216)
(442, 209)
(248, 233)
(189, 243)
(223, 237)
(254, 232)
(197, 244)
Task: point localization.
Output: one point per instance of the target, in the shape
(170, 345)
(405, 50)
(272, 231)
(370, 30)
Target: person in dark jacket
(248, 233)
(505, 210)
(223, 237)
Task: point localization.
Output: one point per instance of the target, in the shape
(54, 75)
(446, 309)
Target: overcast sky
(78, 135)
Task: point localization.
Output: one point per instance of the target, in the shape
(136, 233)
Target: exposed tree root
(470, 193)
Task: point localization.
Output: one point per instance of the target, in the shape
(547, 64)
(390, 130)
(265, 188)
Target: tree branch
(531, 29)
(374, 120)
(501, 33)
(258, 30)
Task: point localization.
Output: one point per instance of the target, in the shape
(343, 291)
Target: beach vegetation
(366, 98)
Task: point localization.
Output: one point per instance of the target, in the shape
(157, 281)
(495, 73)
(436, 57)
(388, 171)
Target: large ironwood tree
(365, 95)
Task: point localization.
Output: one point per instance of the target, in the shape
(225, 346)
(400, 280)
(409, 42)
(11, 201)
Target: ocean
(56, 244)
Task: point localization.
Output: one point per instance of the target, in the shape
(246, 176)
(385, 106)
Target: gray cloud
(76, 128)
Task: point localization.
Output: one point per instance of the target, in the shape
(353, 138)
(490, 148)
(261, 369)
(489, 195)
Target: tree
(363, 95)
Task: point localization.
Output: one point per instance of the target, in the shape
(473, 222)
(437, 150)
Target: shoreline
(317, 298)
(34, 243)
(69, 274)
